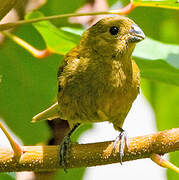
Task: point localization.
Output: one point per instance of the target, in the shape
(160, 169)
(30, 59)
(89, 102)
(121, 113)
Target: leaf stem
(121, 11)
(164, 163)
(35, 52)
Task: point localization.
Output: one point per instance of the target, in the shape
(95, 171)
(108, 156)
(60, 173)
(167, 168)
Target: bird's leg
(123, 141)
(64, 146)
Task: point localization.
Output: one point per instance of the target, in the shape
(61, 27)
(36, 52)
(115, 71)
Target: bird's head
(113, 36)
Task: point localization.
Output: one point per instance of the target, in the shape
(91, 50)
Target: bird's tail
(48, 114)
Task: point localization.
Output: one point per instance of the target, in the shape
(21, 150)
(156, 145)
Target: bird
(98, 80)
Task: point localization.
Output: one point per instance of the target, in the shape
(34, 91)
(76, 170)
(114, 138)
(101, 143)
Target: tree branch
(46, 158)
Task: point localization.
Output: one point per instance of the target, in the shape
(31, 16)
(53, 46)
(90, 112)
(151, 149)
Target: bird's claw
(123, 142)
(64, 146)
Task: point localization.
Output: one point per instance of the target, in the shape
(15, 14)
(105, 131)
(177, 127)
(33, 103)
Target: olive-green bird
(98, 81)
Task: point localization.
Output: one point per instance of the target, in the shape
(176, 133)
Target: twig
(46, 158)
(35, 52)
(17, 151)
(121, 11)
(164, 163)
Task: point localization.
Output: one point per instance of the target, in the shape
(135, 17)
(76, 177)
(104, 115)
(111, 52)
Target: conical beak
(136, 34)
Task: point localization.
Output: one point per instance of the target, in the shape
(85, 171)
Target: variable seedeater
(98, 80)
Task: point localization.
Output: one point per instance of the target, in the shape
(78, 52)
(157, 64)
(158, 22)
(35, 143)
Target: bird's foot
(123, 142)
(65, 146)
(63, 153)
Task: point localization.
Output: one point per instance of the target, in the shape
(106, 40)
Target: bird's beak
(136, 34)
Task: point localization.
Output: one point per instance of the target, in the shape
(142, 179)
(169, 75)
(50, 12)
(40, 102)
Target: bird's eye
(114, 30)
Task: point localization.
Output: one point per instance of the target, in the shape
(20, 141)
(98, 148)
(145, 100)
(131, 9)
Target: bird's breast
(101, 91)
(121, 90)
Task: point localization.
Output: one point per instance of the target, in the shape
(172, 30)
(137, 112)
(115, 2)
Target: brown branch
(46, 158)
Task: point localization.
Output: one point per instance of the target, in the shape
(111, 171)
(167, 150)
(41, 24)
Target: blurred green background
(28, 85)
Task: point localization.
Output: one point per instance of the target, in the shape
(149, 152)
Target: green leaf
(158, 70)
(8, 176)
(155, 50)
(75, 173)
(0, 78)
(53, 7)
(158, 23)
(158, 61)
(112, 2)
(57, 40)
(28, 87)
(171, 4)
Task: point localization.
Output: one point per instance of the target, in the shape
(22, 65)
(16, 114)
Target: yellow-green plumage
(98, 80)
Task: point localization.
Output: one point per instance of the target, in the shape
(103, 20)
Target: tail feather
(48, 114)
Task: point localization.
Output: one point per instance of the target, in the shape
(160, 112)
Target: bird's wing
(53, 111)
